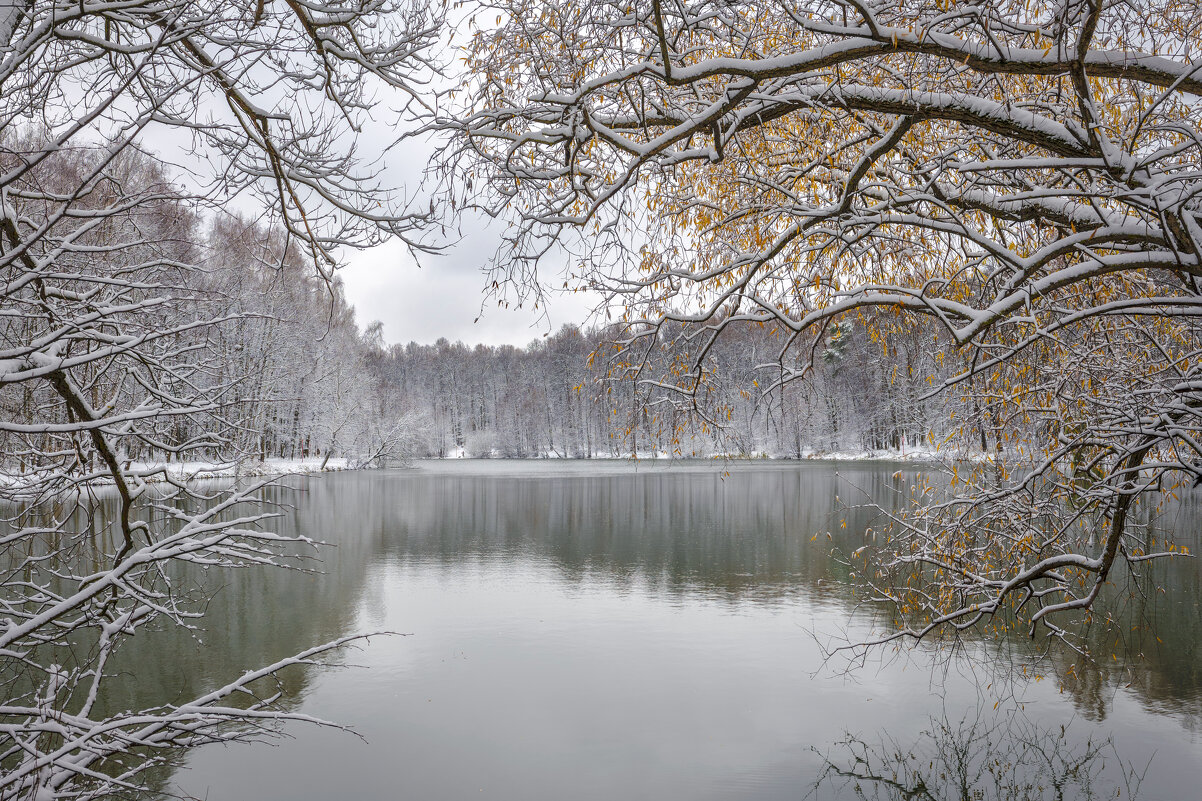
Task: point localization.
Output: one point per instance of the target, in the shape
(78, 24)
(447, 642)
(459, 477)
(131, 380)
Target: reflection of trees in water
(1150, 641)
(1145, 645)
(1145, 636)
(982, 758)
(127, 706)
(684, 532)
(745, 537)
(746, 534)
(255, 615)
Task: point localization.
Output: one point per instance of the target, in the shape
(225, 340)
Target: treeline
(575, 394)
(296, 362)
(237, 349)
(174, 332)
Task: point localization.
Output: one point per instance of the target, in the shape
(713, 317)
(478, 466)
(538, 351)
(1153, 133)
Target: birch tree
(105, 313)
(1020, 181)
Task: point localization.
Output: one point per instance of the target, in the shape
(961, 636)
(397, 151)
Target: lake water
(651, 631)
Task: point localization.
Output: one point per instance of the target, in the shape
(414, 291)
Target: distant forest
(574, 394)
(268, 362)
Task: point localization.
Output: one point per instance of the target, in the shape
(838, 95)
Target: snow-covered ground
(921, 454)
(200, 470)
(269, 467)
(193, 470)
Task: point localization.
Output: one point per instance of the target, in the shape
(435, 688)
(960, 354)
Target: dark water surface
(615, 631)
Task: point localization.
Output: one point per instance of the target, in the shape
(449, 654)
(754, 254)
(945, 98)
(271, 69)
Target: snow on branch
(1009, 195)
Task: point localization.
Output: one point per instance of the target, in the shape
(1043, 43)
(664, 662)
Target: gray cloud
(445, 296)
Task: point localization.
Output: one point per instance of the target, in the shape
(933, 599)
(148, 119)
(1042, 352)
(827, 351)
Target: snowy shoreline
(834, 456)
(917, 455)
(188, 471)
(184, 472)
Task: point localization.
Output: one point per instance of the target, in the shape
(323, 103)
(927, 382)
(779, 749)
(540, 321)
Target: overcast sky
(444, 296)
(441, 298)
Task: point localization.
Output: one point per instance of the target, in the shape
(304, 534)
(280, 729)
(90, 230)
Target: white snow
(152, 472)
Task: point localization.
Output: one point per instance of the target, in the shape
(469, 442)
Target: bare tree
(106, 319)
(1021, 183)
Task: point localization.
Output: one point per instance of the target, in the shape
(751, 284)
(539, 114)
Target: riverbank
(917, 455)
(15, 485)
(188, 471)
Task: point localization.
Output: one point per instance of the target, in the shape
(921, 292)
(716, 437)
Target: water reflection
(979, 757)
(644, 631)
(747, 536)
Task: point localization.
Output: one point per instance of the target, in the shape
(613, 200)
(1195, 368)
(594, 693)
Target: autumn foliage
(1017, 182)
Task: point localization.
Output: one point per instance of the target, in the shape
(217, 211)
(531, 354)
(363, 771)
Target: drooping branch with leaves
(1019, 182)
